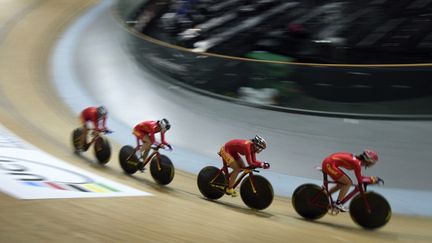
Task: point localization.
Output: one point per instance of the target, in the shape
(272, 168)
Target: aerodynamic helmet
(164, 124)
(370, 156)
(259, 142)
(101, 111)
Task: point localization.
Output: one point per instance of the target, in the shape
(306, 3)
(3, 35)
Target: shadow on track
(378, 233)
(90, 161)
(241, 209)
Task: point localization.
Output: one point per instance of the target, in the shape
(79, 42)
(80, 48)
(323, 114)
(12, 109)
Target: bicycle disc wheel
(128, 166)
(210, 190)
(379, 215)
(102, 150)
(76, 138)
(162, 169)
(259, 199)
(310, 201)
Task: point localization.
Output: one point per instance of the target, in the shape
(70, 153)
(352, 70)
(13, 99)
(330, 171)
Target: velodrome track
(30, 107)
(85, 74)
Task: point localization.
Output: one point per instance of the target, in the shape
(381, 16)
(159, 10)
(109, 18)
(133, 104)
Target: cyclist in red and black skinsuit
(97, 116)
(231, 151)
(145, 132)
(332, 164)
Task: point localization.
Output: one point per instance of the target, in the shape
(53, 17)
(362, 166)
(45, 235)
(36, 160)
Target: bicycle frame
(94, 137)
(154, 153)
(224, 170)
(93, 133)
(357, 189)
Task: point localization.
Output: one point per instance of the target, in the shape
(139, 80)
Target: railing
(390, 91)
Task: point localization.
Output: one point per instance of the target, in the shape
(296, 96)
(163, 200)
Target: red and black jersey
(237, 147)
(149, 128)
(90, 114)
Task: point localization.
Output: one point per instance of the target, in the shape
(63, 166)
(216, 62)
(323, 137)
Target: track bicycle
(255, 190)
(368, 209)
(161, 167)
(102, 147)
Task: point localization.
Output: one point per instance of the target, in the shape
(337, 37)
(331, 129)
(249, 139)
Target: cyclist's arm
(251, 158)
(357, 172)
(369, 179)
(104, 123)
(163, 138)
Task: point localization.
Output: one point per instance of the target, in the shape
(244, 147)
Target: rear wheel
(380, 211)
(211, 182)
(310, 201)
(76, 138)
(102, 150)
(128, 159)
(261, 197)
(162, 169)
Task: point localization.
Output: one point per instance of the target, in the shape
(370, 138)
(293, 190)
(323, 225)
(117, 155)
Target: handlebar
(252, 168)
(372, 180)
(161, 146)
(106, 131)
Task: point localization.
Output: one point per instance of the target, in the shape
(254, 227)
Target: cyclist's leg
(234, 173)
(344, 183)
(137, 148)
(237, 168)
(231, 163)
(145, 148)
(138, 135)
(335, 173)
(239, 164)
(138, 144)
(232, 176)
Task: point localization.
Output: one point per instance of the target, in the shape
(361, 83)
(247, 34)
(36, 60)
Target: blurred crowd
(377, 31)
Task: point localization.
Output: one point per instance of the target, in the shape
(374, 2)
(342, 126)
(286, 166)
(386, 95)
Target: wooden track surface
(176, 213)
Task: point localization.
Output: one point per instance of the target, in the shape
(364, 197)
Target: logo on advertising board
(28, 173)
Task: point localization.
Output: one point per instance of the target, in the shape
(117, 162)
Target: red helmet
(370, 156)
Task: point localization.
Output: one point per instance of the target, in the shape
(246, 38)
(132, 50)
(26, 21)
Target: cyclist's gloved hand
(380, 181)
(100, 130)
(376, 180)
(169, 146)
(265, 165)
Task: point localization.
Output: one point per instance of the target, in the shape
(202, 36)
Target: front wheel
(379, 214)
(162, 169)
(102, 150)
(211, 182)
(256, 192)
(128, 159)
(310, 201)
